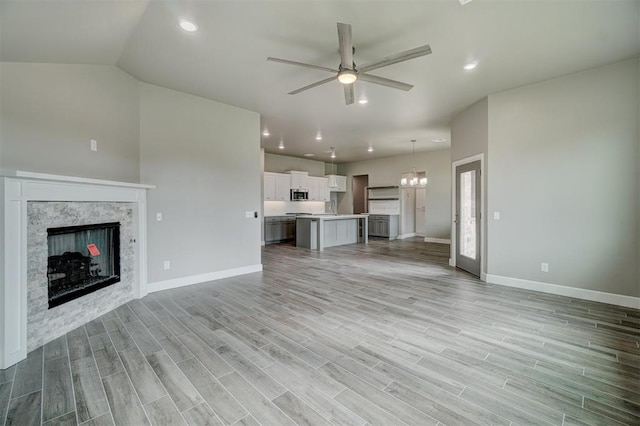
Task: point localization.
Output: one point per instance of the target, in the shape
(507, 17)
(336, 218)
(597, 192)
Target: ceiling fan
(347, 73)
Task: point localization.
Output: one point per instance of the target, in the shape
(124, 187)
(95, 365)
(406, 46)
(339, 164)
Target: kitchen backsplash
(276, 208)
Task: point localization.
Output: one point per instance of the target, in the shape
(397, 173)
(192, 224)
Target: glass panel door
(468, 217)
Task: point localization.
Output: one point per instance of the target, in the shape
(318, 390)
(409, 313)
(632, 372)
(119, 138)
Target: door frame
(454, 237)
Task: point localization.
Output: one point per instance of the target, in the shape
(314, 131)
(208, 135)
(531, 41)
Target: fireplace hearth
(81, 260)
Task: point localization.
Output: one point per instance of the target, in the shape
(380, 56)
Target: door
(421, 210)
(468, 216)
(359, 185)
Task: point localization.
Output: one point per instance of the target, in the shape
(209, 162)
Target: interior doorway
(468, 216)
(359, 186)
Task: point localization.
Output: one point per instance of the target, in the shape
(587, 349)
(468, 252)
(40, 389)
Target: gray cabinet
(383, 225)
(279, 229)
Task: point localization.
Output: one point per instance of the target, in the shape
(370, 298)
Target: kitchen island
(317, 232)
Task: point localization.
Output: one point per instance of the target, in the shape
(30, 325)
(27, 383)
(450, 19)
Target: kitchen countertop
(330, 216)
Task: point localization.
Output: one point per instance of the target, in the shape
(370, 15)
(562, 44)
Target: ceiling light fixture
(411, 179)
(188, 26)
(333, 152)
(266, 133)
(281, 145)
(439, 140)
(308, 155)
(319, 137)
(370, 149)
(363, 101)
(470, 66)
(347, 76)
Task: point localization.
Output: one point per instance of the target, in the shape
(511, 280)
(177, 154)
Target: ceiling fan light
(347, 76)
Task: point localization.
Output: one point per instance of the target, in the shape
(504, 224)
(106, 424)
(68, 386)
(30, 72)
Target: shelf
(383, 187)
(383, 198)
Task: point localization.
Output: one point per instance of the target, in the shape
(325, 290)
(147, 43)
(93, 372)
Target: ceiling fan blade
(384, 81)
(301, 64)
(346, 45)
(311, 86)
(398, 57)
(348, 94)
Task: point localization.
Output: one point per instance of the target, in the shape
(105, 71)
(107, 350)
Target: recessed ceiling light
(363, 101)
(333, 152)
(463, 2)
(281, 146)
(266, 133)
(370, 149)
(438, 140)
(319, 137)
(188, 26)
(470, 66)
(309, 155)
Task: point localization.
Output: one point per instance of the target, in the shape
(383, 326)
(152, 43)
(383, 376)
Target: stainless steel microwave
(299, 195)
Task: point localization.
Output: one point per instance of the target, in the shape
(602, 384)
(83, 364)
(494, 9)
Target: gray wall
(469, 137)
(387, 171)
(563, 172)
(204, 158)
(50, 112)
(282, 163)
(469, 131)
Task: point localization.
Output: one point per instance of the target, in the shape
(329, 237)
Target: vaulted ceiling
(513, 42)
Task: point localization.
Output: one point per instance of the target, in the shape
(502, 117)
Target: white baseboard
(437, 240)
(452, 262)
(578, 293)
(483, 276)
(202, 278)
(403, 236)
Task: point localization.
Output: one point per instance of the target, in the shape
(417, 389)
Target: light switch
(159, 217)
(94, 145)
(496, 215)
(248, 214)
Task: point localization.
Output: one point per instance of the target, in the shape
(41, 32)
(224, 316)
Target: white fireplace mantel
(17, 188)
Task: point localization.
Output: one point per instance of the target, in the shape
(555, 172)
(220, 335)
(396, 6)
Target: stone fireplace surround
(32, 202)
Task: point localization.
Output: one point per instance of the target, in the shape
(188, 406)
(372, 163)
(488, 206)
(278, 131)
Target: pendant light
(332, 181)
(411, 180)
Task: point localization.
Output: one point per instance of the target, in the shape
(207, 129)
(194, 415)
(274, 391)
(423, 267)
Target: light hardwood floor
(386, 334)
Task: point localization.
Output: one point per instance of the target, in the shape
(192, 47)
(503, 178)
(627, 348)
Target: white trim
(72, 179)
(437, 240)
(452, 259)
(202, 278)
(403, 236)
(483, 276)
(561, 290)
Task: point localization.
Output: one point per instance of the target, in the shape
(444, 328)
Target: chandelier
(411, 179)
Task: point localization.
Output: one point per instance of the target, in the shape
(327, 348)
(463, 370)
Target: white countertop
(332, 216)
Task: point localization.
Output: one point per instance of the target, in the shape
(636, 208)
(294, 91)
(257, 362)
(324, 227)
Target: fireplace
(81, 260)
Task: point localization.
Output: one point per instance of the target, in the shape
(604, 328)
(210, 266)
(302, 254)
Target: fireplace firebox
(82, 259)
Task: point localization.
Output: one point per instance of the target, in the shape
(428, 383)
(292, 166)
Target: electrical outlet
(544, 267)
(248, 214)
(496, 215)
(94, 145)
(167, 264)
(159, 217)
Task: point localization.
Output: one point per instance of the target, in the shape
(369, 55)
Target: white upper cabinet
(276, 186)
(298, 180)
(318, 188)
(337, 183)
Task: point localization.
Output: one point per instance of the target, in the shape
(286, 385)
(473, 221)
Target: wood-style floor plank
(125, 406)
(57, 392)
